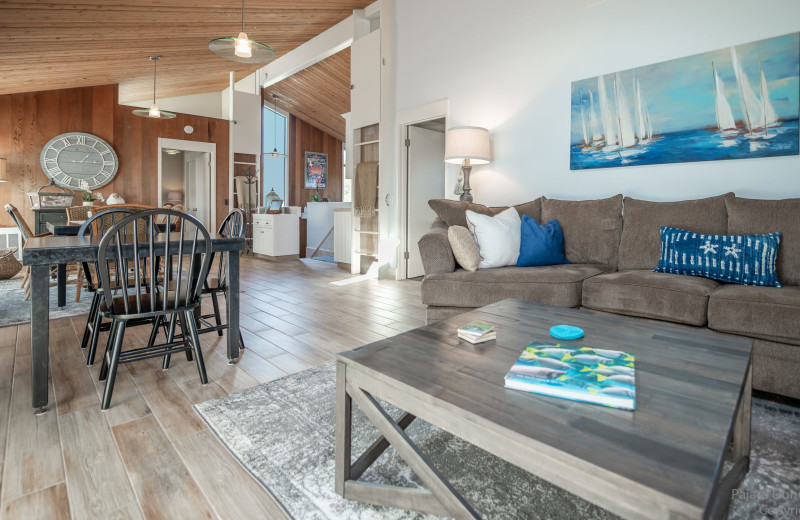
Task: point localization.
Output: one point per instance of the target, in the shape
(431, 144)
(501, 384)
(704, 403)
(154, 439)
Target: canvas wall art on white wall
(733, 103)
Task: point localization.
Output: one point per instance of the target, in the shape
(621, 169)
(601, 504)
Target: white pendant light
(241, 48)
(275, 152)
(154, 112)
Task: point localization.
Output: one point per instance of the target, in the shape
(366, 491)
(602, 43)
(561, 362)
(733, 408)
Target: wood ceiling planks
(54, 44)
(319, 94)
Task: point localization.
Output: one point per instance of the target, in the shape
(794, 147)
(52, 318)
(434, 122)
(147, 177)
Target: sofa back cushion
(642, 221)
(592, 228)
(453, 212)
(749, 216)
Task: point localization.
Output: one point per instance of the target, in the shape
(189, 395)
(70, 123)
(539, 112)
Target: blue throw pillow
(742, 259)
(541, 245)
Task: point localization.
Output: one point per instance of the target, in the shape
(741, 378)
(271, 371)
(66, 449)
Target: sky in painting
(679, 93)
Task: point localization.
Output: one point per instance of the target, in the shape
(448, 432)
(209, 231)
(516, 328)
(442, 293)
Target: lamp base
(466, 196)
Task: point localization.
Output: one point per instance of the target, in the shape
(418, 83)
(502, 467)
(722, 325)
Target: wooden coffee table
(664, 460)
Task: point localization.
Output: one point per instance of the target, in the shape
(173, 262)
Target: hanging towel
(365, 193)
(242, 184)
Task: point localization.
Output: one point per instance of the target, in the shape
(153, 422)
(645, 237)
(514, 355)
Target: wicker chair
(26, 233)
(9, 265)
(78, 213)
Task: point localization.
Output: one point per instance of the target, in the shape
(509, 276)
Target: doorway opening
(187, 175)
(424, 175)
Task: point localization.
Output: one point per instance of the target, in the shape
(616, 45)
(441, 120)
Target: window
(273, 168)
(347, 184)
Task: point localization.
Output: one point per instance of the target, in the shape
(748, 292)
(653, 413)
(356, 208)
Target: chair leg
(104, 366)
(113, 364)
(241, 341)
(87, 332)
(78, 282)
(185, 331)
(217, 317)
(26, 276)
(198, 353)
(170, 338)
(97, 323)
(154, 331)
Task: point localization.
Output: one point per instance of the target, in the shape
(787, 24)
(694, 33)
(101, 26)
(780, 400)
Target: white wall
(508, 66)
(208, 105)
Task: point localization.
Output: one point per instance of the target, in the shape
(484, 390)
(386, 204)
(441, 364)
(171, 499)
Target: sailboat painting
(735, 103)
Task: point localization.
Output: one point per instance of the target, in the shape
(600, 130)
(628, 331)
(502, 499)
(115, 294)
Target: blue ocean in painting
(692, 145)
(740, 102)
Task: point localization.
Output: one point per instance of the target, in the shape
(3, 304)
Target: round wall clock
(75, 157)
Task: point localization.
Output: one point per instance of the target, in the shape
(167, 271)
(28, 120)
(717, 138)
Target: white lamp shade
(467, 142)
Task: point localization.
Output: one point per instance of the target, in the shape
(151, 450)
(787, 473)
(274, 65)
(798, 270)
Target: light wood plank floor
(150, 455)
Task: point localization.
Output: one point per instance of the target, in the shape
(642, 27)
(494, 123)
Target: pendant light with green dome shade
(241, 48)
(275, 152)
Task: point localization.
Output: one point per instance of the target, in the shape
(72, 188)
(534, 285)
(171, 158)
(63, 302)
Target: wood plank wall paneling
(28, 121)
(304, 137)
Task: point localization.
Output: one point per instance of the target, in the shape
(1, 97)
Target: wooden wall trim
(304, 137)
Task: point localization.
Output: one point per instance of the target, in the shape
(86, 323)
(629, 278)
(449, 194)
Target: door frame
(406, 118)
(192, 146)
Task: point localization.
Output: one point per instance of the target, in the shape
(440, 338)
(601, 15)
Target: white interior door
(425, 182)
(197, 178)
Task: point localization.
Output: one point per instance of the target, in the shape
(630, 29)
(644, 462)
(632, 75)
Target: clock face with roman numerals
(74, 158)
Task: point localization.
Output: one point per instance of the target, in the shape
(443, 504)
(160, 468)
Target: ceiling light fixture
(275, 152)
(241, 48)
(154, 112)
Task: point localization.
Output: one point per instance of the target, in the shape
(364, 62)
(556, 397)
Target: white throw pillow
(497, 237)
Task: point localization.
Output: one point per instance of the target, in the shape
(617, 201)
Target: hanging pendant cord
(155, 69)
(242, 15)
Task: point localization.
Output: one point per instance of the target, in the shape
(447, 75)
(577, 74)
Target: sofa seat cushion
(558, 285)
(668, 297)
(771, 313)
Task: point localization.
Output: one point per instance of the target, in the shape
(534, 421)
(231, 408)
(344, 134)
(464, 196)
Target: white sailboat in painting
(594, 124)
(725, 120)
(609, 121)
(751, 106)
(770, 117)
(587, 144)
(627, 136)
(644, 129)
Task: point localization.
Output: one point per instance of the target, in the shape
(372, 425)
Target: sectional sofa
(613, 245)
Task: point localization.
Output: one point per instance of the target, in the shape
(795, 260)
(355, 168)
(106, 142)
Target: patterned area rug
(282, 433)
(15, 310)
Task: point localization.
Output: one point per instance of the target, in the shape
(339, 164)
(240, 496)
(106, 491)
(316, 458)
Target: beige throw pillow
(464, 247)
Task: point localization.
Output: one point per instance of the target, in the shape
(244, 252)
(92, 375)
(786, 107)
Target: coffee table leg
(740, 452)
(344, 415)
(741, 429)
(441, 500)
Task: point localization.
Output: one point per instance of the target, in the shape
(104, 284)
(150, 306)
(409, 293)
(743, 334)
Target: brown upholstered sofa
(613, 254)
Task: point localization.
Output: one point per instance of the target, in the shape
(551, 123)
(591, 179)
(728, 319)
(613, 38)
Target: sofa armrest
(437, 255)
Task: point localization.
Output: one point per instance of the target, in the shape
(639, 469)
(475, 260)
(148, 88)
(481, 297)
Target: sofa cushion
(740, 259)
(497, 237)
(759, 312)
(464, 247)
(453, 212)
(540, 245)
(669, 297)
(750, 216)
(592, 228)
(642, 219)
(554, 285)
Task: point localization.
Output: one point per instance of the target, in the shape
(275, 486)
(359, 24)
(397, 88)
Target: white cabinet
(365, 80)
(276, 235)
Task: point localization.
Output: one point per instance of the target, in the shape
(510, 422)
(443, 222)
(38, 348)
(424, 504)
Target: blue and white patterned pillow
(742, 259)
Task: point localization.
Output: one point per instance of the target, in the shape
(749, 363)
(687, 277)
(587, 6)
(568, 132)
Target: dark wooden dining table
(41, 252)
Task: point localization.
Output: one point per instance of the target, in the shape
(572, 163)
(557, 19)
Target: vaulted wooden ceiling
(54, 44)
(319, 94)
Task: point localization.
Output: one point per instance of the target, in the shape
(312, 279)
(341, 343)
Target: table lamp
(467, 145)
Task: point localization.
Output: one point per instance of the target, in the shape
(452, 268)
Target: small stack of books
(477, 332)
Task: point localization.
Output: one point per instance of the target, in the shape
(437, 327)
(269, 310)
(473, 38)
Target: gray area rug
(15, 310)
(282, 433)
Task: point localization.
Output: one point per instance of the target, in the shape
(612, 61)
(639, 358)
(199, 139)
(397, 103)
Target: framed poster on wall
(316, 172)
